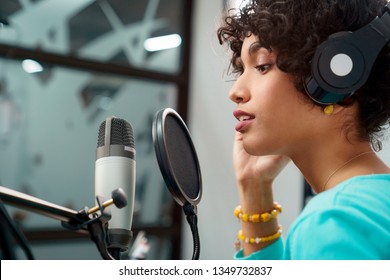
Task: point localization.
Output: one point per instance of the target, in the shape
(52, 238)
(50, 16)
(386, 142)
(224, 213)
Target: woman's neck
(323, 169)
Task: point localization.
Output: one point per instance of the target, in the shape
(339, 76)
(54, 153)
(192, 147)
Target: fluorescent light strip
(31, 66)
(162, 43)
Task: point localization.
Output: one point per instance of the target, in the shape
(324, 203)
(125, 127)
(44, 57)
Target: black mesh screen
(181, 157)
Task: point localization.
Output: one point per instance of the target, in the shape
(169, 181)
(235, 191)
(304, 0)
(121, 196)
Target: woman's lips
(244, 119)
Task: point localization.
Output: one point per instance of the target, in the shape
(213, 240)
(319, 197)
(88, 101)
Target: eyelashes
(238, 70)
(263, 68)
(237, 67)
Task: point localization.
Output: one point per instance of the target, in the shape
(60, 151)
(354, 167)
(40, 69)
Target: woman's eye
(263, 68)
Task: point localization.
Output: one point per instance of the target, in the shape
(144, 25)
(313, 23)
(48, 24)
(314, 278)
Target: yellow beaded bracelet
(258, 218)
(257, 240)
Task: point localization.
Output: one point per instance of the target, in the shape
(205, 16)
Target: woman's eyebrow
(255, 47)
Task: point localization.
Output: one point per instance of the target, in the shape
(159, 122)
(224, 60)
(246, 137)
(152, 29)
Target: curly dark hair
(294, 29)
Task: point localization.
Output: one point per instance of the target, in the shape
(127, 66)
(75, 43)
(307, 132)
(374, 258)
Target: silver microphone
(115, 168)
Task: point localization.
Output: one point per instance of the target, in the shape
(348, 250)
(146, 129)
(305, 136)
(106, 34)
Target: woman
(332, 144)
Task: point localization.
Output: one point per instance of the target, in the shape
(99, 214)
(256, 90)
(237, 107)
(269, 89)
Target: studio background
(209, 118)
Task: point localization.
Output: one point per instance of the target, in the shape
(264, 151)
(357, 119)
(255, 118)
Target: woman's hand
(251, 169)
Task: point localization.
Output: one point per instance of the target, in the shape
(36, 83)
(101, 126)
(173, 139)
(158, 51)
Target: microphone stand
(192, 219)
(94, 220)
(9, 232)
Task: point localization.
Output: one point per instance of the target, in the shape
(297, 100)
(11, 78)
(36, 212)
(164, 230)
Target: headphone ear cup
(338, 67)
(342, 64)
(321, 96)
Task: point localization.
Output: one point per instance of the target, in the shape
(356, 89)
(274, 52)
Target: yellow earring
(328, 110)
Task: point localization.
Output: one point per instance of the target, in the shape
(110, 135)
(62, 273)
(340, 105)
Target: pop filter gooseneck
(179, 166)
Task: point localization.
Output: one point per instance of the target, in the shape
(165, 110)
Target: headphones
(342, 64)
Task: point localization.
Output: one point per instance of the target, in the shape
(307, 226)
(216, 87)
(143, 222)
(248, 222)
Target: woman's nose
(238, 92)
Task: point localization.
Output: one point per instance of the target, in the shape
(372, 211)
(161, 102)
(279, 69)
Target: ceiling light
(31, 66)
(162, 42)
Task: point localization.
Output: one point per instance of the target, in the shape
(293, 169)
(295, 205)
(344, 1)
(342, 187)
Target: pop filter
(179, 165)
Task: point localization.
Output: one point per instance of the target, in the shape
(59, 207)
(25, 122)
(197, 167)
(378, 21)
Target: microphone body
(115, 168)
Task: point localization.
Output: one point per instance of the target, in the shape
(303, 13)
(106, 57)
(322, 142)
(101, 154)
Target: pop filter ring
(160, 145)
(187, 201)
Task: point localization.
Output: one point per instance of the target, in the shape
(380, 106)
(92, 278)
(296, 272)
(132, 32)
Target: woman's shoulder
(360, 202)
(368, 191)
(340, 222)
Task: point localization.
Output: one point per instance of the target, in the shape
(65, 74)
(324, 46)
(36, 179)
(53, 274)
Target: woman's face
(274, 117)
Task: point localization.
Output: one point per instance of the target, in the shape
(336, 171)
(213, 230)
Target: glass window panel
(48, 135)
(106, 30)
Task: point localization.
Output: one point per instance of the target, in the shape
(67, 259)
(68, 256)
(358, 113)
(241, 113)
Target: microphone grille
(121, 133)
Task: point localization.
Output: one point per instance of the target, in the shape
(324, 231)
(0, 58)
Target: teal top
(348, 222)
